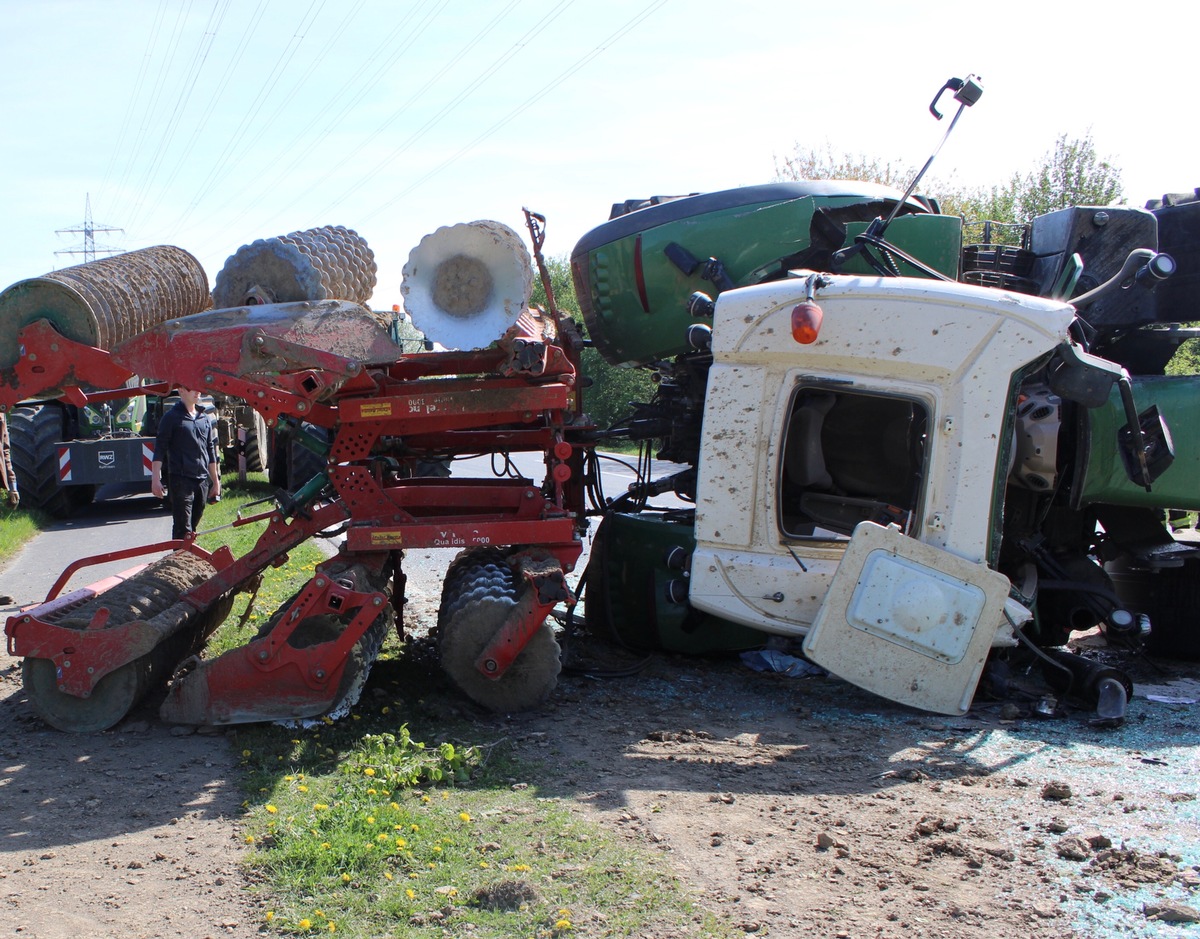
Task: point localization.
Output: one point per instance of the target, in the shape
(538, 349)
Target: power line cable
(416, 96)
(131, 103)
(152, 103)
(226, 75)
(301, 152)
(524, 106)
(454, 102)
(186, 87)
(219, 169)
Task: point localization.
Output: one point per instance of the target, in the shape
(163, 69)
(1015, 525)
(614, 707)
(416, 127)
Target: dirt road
(792, 807)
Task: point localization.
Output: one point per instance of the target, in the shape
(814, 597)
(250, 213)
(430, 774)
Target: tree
(1070, 173)
(607, 398)
(825, 164)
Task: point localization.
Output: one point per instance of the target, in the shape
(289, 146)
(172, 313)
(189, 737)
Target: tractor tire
(478, 593)
(34, 431)
(303, 464)
(257, 451)
(1173, 603)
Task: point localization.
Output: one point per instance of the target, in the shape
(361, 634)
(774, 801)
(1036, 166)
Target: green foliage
(1186, 360)
(277, 585)
(1070, 173)
(814, 163)
(608, 397)
(398, 761)
(17, 527)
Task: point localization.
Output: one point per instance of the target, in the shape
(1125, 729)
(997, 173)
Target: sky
(208, 124)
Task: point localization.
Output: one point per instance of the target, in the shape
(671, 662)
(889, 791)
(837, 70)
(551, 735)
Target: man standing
(187, 443)
(8, 476)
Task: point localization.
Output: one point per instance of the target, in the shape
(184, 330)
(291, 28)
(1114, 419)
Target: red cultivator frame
(331, 365)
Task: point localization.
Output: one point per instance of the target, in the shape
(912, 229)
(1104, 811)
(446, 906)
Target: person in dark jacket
(187, 444)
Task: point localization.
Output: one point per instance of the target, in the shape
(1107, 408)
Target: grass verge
(359, 828)
(17, 528)
(362, 829)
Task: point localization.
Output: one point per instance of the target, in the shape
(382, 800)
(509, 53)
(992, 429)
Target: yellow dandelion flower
(319, 913)
(272, 809)
(305, 924)
(368, 772)
(425, 799)
(395, 806)
(371, 792)
(370, 819)
(432, 866)
(563, 924)
(289, 778)
(445, 795)
(320, 806)
(415, 827)
(249, 839)
(270, 915)
(400, 842)
(332, 926)
(410, 893)
(437, 849)
(484, 864)
(302, 788)
(386, 710)
(326, 845)
(355, 717)
(345, 878)
(413, 875)
(464, 816)
(382, 836)
(387, 874)
(245, 753)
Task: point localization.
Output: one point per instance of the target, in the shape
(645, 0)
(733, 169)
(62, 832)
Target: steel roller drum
(103, 303)
(328, 263)
(465, 285)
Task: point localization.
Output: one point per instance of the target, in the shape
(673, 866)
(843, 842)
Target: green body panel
(634, 298)
(934, 240)
(1103, 477)
(627, 587)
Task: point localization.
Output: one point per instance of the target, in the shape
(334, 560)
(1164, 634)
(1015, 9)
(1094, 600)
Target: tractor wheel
(257, 451)
(35, 430)
(303, 464)
(1173, 601)
(479, 592)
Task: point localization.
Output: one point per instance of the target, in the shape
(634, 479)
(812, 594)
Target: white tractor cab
(851, 495)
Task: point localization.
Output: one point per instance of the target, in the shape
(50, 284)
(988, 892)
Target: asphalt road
(128, 516)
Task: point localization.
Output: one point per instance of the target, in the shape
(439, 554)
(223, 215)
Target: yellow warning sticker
(376, 409)
(387, 538)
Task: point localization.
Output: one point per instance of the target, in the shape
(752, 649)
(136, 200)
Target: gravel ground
(791, 807)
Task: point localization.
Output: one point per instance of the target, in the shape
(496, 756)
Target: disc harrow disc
(476, 600)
